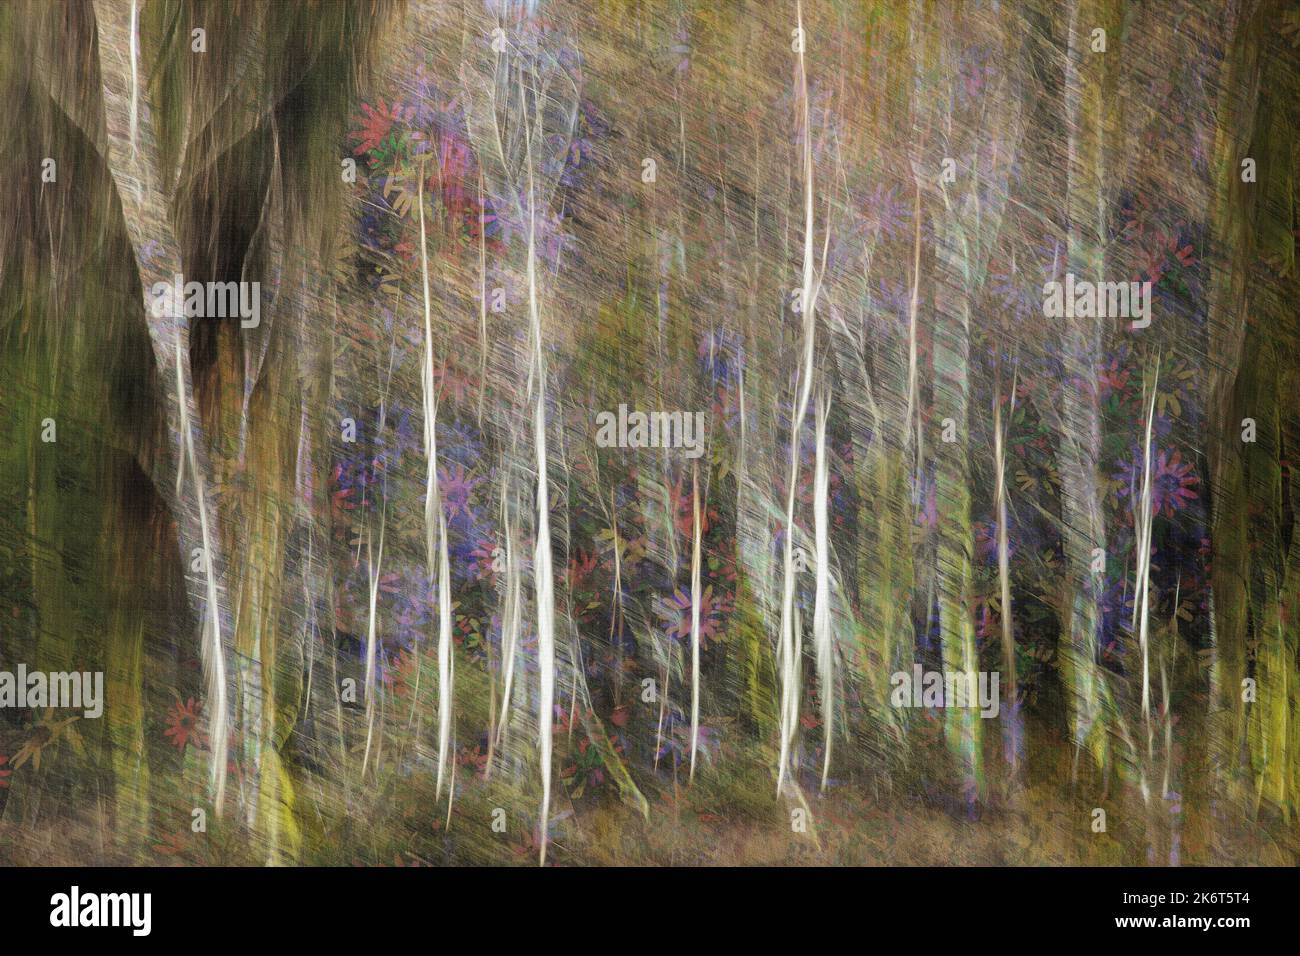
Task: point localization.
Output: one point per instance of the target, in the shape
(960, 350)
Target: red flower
(171, 844)
(684, 511)
(1113, 378)
(182, 724)
(1171, 485)
(580, 568)
(375, 126)
(340, 504)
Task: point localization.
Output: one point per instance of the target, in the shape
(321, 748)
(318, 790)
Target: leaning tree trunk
(144, 188)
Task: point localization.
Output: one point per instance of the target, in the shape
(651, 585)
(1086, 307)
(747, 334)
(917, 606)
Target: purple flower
(885, 214)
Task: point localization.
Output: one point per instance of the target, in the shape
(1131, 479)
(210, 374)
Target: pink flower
(677, 613)
(456, 487)
(1171, 482)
